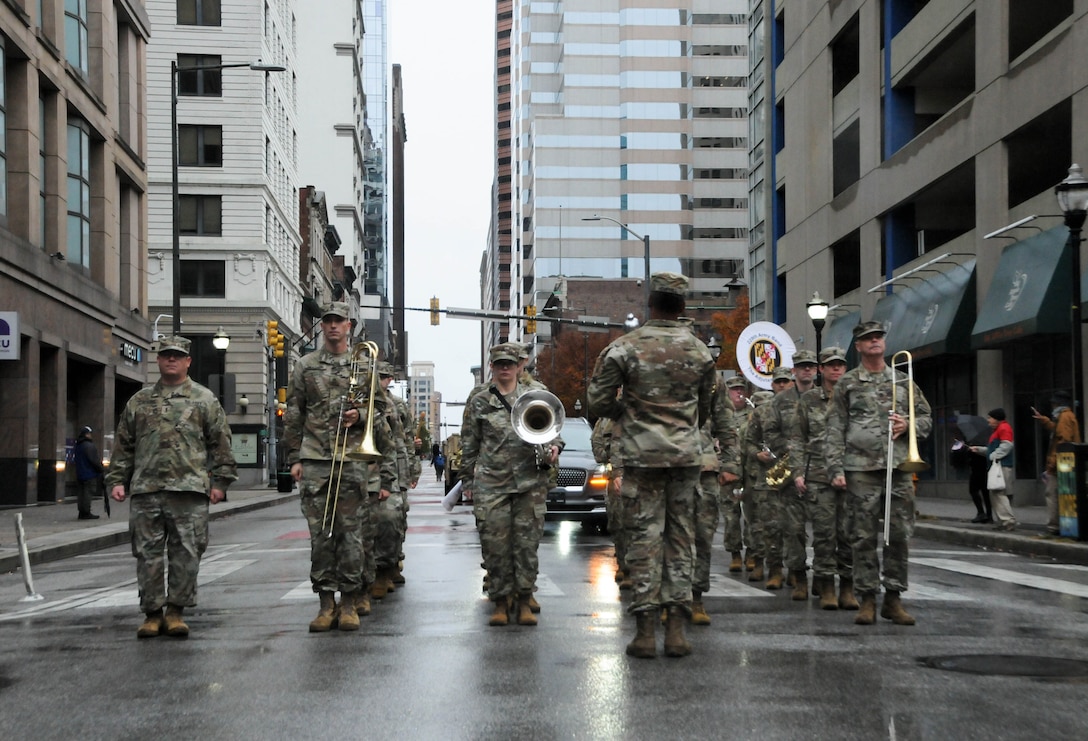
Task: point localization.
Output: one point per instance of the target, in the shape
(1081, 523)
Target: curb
(65, 545)
(1033, 546)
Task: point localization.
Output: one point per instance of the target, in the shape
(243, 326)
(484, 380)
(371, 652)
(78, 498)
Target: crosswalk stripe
(131, 596)
(1060, 586)
(723, 586)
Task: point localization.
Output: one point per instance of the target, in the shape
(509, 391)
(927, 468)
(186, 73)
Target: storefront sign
(9, 335)
(762, 347)
(130, 352)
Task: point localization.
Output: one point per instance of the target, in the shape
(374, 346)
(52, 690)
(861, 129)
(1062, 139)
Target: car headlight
(599, 478)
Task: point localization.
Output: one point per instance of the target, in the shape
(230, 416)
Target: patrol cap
(385, 368)
(174, 343)
(803, 357)
(831, 354)
(335, 308)
(760, 398)
(669, 283)
(782, 373)
(864, 329)
(503, 351)
(736, 382)
(523, 349)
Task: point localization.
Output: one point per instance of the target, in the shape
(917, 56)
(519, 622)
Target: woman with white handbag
(1001, 457)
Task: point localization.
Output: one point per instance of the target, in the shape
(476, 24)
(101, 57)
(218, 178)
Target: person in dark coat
(89, 470)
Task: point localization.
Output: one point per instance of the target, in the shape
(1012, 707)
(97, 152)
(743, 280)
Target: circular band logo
(762, 347)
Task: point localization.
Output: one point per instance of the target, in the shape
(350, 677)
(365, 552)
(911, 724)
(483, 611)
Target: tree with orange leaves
(566, 364)
(728, 326)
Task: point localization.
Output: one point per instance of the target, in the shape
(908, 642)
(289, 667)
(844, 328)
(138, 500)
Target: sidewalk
(53, 532)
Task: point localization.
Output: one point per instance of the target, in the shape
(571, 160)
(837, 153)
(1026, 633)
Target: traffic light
(434, 312)
(281, 400)
(530, 323)
(275, 338)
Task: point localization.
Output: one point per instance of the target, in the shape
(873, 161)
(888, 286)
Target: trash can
(1072, 465)
(284, 481)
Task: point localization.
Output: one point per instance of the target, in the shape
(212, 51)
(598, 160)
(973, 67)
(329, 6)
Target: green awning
(841, 331)
(890, 311)
(1029, 293)
(939, 313)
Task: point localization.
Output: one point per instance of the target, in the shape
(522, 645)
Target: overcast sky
(446, 52)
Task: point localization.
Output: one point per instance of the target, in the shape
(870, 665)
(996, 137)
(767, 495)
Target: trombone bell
(913, 462)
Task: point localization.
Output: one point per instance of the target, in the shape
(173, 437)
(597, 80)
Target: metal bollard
(24, 556)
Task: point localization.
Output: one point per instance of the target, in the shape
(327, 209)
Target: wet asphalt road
(426, 665)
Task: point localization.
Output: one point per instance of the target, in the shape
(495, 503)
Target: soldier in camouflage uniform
(509, 488)
(736, 503)
(172, 455)
(763, 457)
(830, 515)
(390, 514)
(718, 472)
(604, 431)
(795, 504)
(326, 397)
(667, 376)
(765, 545)
(857, 435)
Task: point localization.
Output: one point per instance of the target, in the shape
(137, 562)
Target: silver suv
(579, 491)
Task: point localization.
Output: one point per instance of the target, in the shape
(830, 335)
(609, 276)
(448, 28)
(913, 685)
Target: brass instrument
(780, 472)
(913, 462)
(537, 416)
(364, 357)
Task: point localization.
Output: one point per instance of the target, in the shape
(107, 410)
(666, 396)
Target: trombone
(364, 358)
(913, 462)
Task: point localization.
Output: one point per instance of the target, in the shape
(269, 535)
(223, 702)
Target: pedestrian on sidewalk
(1000, 450)
(173, 456)
(89, 472)
(1064, 428)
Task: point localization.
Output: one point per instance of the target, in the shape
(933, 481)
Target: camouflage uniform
(172, 447)
(764, 498)
(667, 377)
(794, 506)
(603, 433)
(857, 433)
(718, 440)
(830, 515)
(509, 492)
(741, 511)
(390, 515)
(319, 383)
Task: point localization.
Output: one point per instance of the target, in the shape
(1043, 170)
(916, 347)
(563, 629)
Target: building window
(204, 278)
(199, 13)
(200, 146)
(75, 34)
(192, 80)
(200, 215)
(846, 264)
(79, 194)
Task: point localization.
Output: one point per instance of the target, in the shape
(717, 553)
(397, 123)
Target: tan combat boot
(699, 614)
(525, 611)
(736, 564)
(892, 609)
(755, 571)
(151, 626)
(500, 615)
(644, 645)
(349, 616)
(326, 614)
(676, 644)
(774, 581)
(533, 604)
(750, 562)
(396, 575)
(867, 614)
(800, 586)
(847, 600)
(380, 587)
(827, 594)
(173, 625)
(362, 603)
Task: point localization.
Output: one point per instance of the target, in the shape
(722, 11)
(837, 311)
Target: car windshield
(576, 434)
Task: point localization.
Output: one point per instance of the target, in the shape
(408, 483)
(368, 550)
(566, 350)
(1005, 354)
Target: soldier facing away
(172, 456)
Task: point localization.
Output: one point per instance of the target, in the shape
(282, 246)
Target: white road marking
(1033, 581)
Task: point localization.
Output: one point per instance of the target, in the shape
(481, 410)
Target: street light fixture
(817, 312)
(1072, 194)
(221, 340)
(174, 71)
(715, 348)
(645, 254)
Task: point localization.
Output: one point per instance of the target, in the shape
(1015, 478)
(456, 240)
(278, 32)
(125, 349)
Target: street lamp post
(645, 255)
(817, 312)
(1072, 194)
(174, 71)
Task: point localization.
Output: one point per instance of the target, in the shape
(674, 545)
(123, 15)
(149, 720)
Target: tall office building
(631, 114)
(343, 145)
(916, 149)
(237, 148)
(73, 233)
(422, 395)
